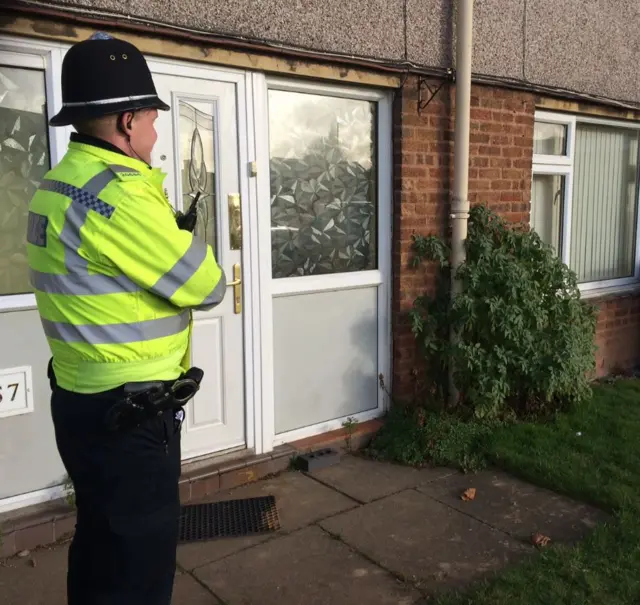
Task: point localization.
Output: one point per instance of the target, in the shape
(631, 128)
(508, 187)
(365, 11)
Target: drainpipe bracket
(459, 208)
(433, 91)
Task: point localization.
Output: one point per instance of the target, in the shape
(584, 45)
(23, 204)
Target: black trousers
(126, 486)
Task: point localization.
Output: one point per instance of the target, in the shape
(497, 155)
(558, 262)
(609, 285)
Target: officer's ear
(125, 122)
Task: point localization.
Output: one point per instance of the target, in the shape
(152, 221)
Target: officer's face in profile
(143, 133)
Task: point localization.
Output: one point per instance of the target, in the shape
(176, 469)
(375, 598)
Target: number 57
(14, 386)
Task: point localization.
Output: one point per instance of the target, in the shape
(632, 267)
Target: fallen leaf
(540, 540)
(469, 494)
(32, 562)
(24, 553)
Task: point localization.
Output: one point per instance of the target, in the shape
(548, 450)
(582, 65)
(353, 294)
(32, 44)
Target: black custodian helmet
(103, 76)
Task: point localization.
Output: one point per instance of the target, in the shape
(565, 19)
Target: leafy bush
(415, 436)
(525, 338)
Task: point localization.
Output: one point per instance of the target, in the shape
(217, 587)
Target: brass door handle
(237, 288)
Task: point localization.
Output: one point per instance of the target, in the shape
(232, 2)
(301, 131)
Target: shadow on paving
(45, 584)
(358, 532)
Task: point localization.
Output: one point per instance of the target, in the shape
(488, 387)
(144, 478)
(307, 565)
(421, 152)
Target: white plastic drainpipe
(460, 203)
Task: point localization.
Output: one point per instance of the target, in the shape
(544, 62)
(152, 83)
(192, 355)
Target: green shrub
(415, 436)
(526, 339)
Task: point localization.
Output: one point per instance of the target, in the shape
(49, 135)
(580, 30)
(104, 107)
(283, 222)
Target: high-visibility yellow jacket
(115, 279)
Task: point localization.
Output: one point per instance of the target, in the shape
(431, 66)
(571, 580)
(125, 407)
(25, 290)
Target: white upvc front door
(200, 150)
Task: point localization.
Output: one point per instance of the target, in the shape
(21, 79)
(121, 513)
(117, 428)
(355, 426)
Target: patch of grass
(417, 437)
(349, 426)
(294, 463)
(69, 492)
(603, 570)
(591, 453)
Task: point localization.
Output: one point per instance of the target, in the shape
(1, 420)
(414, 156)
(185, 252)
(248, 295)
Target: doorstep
(43, 524)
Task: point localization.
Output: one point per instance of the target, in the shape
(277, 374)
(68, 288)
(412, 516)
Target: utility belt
(144, 400)
(140, 401)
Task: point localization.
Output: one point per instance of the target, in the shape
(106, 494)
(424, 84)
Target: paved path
(359, 532)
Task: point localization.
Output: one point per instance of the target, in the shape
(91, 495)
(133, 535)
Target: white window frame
(563, 165)
(287, 286)
(31, 54)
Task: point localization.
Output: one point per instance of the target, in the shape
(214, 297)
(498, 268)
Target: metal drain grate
(228, 518)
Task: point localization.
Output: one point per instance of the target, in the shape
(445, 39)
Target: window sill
(611, 292)
(17, 302)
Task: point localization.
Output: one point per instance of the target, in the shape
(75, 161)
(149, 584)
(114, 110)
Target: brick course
(501, 143)
(501, 147)
(618, 333)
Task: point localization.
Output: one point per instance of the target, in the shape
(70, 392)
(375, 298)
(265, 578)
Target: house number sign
(16, 395)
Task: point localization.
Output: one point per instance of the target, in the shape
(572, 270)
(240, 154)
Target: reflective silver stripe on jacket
(85, 197)
(215, 296)
(182, 271)
(81, 285)
(117, 333)
(78, 281)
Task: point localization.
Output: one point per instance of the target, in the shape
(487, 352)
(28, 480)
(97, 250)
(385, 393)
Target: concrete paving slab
(45, 584)
(300, 501)
(304, 568)
(368, 480)
(516, 507)
(187, 591)
(425, 541)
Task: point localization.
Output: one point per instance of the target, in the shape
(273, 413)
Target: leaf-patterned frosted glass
(198, 172)
(24, 160)
(323, 184)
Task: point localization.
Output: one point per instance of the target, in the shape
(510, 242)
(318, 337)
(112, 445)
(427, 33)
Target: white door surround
(259, 288)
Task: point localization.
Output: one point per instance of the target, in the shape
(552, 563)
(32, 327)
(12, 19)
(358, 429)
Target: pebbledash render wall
(501, 148)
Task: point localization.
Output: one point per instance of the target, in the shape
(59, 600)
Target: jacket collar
(108, 153)
(87, 139)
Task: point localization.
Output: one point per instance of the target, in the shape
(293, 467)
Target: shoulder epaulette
(125, 173)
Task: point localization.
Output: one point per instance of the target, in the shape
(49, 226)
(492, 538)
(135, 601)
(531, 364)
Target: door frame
(259, 287)
(251, 311)
(270, 288)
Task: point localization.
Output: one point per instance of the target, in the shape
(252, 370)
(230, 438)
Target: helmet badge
(101, 36)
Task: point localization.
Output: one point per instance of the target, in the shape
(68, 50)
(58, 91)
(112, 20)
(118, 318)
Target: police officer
(115, 280)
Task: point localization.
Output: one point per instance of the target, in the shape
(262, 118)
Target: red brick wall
(500, 175)
(618, 334)
(501, 145)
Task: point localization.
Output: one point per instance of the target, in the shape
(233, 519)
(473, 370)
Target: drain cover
(228, 518)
